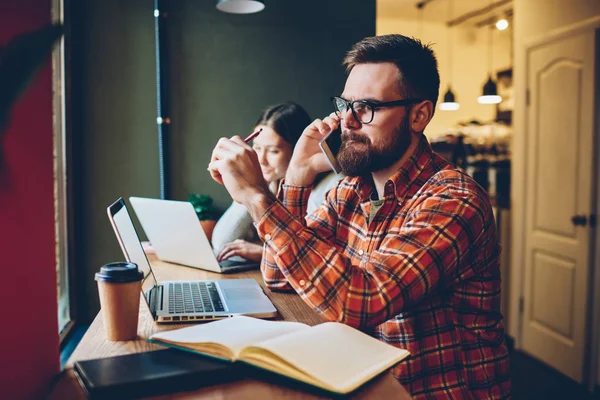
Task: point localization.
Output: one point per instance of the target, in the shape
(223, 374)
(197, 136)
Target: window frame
(61, 156)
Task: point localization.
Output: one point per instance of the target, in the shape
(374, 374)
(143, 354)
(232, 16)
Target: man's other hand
(235, 165)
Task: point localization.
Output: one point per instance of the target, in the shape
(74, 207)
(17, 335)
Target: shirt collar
(401, 182)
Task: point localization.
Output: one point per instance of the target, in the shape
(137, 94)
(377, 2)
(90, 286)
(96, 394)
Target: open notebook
(331, 356)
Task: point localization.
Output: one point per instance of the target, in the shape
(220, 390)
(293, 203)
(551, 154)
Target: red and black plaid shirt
(423, 275)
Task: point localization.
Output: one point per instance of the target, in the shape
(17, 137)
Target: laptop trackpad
(233, 294)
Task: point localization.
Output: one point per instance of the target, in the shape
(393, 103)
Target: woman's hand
(241, 248)
(308, 160)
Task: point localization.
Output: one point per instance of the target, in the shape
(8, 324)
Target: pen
(248, 139)
(252, 135)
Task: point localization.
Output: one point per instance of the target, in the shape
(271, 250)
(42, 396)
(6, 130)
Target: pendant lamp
(240, 6)
(449, 103)
(490, 93)
(490, 90)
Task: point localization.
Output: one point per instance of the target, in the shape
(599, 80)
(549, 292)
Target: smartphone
(330, 146)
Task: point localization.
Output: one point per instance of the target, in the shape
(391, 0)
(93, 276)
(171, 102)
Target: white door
(560, 124)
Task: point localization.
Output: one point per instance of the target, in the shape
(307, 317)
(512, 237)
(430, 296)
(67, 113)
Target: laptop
(176, 301)
(177, 237)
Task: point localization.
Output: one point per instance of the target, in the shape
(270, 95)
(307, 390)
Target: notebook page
(340, 356)
(234, 333)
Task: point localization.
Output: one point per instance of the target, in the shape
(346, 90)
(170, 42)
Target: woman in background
(282, 126)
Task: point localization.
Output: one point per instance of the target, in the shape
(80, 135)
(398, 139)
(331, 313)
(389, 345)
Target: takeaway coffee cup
(119, 286)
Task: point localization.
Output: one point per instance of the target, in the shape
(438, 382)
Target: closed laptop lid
(175, 232)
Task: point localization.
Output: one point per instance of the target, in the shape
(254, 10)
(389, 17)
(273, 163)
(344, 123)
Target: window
(60, 178)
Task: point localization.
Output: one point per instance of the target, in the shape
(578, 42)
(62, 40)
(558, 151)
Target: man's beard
(368, 159)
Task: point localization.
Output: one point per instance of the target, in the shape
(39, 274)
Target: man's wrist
(258, 203)
(298, 177)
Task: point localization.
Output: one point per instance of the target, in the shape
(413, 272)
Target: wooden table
(291, 308)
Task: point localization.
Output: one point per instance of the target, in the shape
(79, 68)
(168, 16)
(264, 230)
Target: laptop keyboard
(194, 297)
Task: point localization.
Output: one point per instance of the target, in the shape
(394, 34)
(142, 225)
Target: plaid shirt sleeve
(409, 264)
(295, 199)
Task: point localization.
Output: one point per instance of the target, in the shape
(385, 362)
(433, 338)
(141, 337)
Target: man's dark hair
(287, 119)
(419, 77)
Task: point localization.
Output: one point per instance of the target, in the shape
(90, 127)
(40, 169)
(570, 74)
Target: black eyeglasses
(364, 110)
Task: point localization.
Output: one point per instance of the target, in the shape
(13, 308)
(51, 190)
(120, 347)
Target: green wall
(224, 69)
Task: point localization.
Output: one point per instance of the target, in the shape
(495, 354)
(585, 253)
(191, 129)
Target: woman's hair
(287, 119)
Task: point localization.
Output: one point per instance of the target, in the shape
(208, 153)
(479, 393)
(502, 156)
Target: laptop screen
(130, 242)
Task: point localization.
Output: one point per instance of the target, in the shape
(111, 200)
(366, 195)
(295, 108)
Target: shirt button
(267, 237)
(361, 252)
(302, 282)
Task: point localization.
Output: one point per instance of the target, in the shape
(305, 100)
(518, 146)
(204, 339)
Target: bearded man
(405, 248)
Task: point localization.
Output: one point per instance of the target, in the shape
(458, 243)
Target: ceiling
(467, 12)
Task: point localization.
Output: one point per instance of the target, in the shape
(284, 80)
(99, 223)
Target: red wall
(29, 350)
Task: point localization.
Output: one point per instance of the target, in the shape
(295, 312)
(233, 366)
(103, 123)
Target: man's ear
(420, 115)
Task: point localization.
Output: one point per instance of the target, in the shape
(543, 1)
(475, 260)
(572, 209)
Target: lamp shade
(240, 6)
(490, 93)
(449, 103)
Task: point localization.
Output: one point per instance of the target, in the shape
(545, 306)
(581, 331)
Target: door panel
(559, 185)
(559, 80)
(552, 276)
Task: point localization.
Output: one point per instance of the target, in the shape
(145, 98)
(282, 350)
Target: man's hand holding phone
(308, 159)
